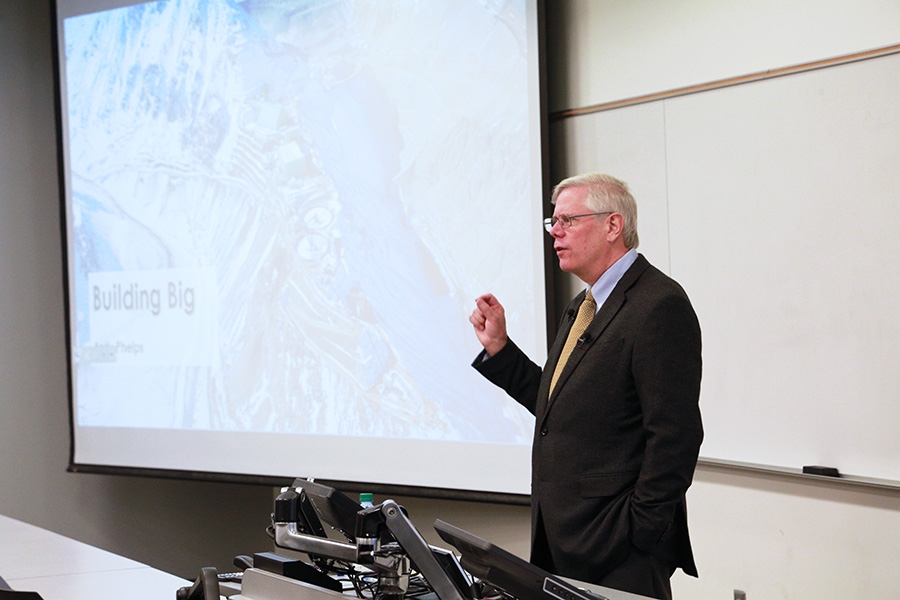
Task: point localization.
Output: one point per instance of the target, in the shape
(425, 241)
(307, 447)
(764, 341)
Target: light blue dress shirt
(603, 287)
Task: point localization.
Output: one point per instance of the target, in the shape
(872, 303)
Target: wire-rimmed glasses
(565, 221)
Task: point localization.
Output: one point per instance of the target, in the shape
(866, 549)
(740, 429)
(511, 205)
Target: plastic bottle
(366, 500)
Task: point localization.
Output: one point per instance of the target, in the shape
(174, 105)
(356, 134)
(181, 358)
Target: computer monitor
(454, 571)
(335, 508)
(507, 571)
(293, 506)
(340, 511)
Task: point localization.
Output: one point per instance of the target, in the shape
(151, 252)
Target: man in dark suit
(618, 428)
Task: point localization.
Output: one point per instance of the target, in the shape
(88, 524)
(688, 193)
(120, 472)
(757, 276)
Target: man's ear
(615, 223)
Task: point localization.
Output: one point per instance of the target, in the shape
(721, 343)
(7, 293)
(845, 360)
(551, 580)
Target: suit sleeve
(515, 373)
(667, 368)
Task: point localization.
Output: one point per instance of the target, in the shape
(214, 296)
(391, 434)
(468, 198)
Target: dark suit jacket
(616, 445)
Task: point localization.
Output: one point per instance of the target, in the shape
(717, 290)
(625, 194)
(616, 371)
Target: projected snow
(281, 213)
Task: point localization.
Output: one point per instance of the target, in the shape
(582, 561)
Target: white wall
(778, 537)
(612, 50)
(771, 536)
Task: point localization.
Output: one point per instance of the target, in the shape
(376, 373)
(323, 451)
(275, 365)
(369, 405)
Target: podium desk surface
(60, 568)
(36, 560)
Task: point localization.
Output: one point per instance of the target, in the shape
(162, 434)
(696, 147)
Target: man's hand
(489, 321)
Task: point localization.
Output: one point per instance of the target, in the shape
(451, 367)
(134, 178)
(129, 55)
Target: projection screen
(278, 215)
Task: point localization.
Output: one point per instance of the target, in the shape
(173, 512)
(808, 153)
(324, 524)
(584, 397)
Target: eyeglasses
(565, 221)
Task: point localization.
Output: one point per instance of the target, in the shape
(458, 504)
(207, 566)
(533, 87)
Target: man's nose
(557, 230)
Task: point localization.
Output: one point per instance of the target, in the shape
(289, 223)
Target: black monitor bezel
(505, 570)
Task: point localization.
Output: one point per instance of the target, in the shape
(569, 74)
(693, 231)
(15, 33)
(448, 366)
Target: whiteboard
(776, 204)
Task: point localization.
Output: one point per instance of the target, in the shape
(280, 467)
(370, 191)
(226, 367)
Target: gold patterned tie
(582, 320)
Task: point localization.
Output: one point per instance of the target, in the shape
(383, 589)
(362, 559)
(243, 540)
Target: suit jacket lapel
(553, 354)
(595, 329)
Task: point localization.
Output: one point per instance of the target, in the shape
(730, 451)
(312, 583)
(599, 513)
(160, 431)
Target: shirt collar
(603, 287)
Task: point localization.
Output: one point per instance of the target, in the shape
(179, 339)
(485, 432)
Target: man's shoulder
(647, 279)
(643, 270)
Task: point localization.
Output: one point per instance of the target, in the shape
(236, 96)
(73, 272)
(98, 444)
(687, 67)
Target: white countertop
(36, 560)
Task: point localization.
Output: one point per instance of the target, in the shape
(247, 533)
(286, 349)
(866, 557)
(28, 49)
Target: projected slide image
(278, 214)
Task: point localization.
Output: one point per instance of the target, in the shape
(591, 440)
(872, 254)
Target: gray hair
(606, 193)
